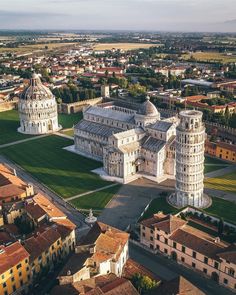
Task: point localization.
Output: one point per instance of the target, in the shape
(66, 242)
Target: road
(74, 215)
(168, 269)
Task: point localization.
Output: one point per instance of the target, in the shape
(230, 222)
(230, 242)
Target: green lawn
(223, 208)
(211, 168)
(97, 201)
(213, 164)
(220, 208)
(210, 160)
(159, 204)
(66, 173)
(67, 121)
(9, 122)
(225, 183)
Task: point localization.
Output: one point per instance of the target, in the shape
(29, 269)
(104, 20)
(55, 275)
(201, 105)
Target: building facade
(173, 237)
(37, 109)
(129, 142)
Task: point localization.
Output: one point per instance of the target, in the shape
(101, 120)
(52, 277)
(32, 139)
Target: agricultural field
(65, 173)
(97, 201)
(9, 122)
(210, 56)
(124, 46)
(35, 47)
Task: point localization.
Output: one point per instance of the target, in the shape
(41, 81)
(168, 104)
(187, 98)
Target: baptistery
(37, 109)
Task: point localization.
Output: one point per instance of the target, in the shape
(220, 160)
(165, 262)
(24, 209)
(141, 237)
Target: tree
(227, 115)
(143, 283)
(220, 226)
(136, 90)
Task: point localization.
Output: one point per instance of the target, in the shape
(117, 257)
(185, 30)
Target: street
(168, 269)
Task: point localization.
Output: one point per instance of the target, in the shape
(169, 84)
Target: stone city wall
(70, 108)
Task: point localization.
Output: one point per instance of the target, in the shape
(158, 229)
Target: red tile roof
(11, 256)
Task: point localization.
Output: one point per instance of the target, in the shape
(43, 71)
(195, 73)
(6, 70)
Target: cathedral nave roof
(153, 144)
(162, 126)
(110, 113)
(97, 128)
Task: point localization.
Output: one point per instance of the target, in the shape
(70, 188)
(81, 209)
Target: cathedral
(37, 109)
(130, 142)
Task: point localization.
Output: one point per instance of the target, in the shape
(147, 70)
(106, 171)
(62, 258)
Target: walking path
(221, 172)
(91, 192)
(64, 135)
(22, 140)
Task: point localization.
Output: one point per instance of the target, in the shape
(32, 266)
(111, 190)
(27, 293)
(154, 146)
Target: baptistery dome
(37, 109)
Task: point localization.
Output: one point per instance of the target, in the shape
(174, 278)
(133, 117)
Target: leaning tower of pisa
(190, 139)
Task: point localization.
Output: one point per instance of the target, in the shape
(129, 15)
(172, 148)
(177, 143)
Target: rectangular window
(4, 285)
(205, 260)
(194, 254)
(18, 266)
(165, 250)
(216, 265)
(151, 231)
(158, 237)
(166, 241)
(174, 245)
(225, 281)
(20, 274)
(205, 270)
(182, 259)
(183, 249)
(193, 264)
(151, 238)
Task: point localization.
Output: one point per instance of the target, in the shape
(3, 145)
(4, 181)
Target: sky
(154, 15)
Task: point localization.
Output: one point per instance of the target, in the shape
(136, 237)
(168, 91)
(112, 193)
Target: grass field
(228, 214)
(213, 164)
(159, 204)
(223, 208)
(67, 121)
(9, 122)
(225, 183)
(65, 173)
(97, 201)
(35, 47)
(210, 56)
(124, 46)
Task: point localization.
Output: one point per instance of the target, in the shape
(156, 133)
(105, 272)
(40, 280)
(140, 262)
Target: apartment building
(172, 236)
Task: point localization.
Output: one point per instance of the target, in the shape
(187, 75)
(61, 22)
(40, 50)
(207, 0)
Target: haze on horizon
(155, 15)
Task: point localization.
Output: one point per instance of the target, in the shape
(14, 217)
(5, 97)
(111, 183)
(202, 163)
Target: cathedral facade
(37, 109)
(129, 142)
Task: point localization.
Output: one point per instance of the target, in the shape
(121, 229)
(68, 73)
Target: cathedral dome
(36, 90)
(148, 108)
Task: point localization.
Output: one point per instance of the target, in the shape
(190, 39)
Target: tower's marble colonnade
(190, 138)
